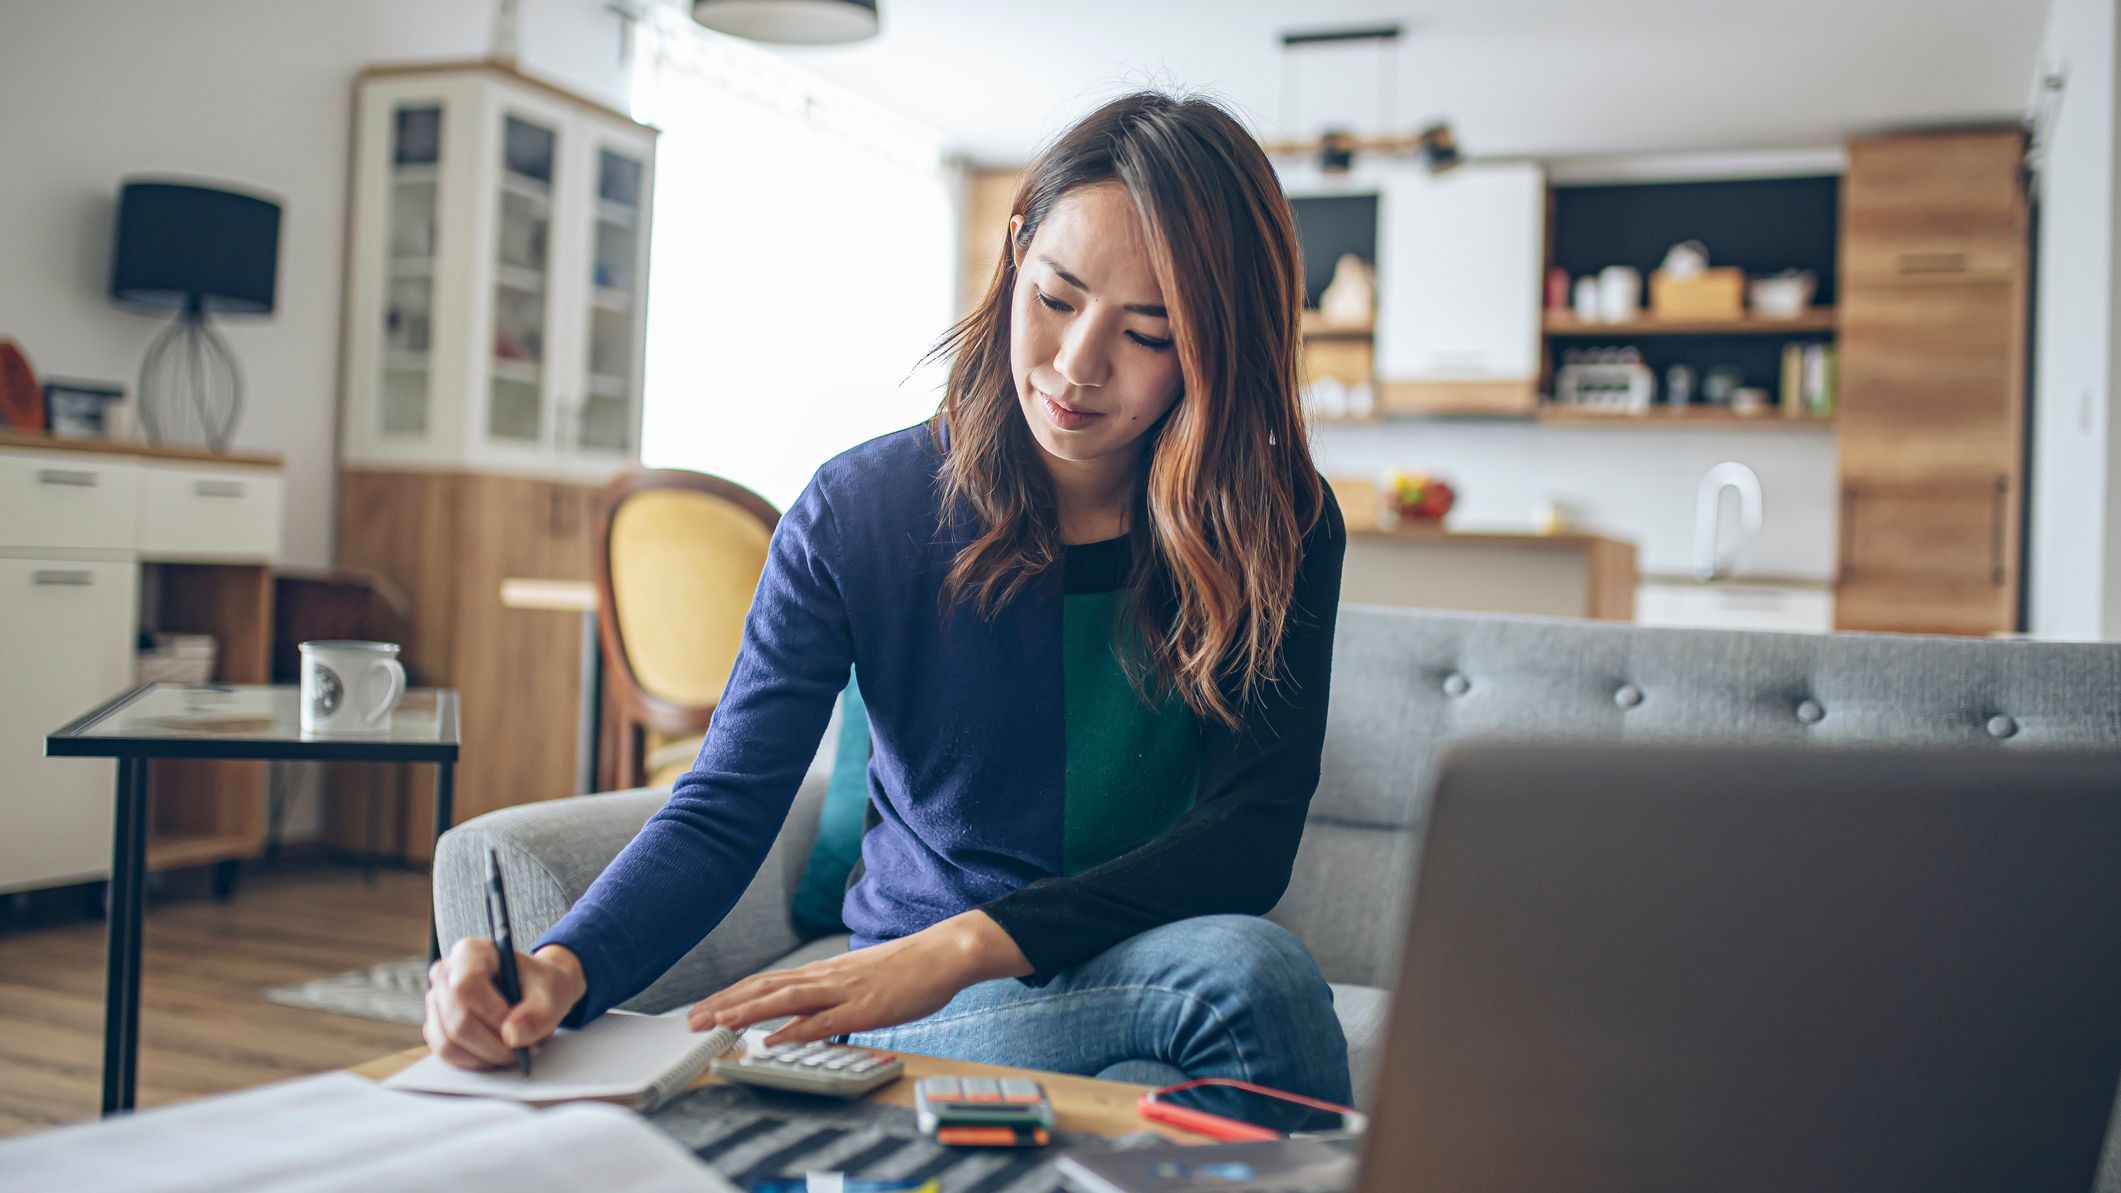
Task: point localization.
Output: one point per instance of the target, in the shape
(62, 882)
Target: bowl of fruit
(1416, 497)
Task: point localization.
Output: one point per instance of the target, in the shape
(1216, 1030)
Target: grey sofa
(1405, 684)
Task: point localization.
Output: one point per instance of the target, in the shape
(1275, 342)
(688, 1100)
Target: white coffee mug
(1619, 293)
(350, 688)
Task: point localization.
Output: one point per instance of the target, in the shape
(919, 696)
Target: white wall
(2075, 533)
(1636, 483)
(254, 92)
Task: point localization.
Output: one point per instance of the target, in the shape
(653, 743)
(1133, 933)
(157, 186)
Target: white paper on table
(338, 1131)
(563, 1150)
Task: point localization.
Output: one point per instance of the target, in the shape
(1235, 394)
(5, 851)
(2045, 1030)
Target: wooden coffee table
(1102, 1108)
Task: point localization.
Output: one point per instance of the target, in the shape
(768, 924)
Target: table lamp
(193, 249)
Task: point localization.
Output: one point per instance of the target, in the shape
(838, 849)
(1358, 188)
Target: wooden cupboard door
(1931, 208)
(404, 527)
(1931, 382)
(1929, 558)
(517, 670)
(449, 541)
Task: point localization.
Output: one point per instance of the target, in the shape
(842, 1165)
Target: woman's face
(1089, 344)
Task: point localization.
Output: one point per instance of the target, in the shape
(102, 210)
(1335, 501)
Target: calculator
(833, 1070)
(984, 1111)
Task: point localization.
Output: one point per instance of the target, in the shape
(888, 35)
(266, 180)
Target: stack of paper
(338, 1132)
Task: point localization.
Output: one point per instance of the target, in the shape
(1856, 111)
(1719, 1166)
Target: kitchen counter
(1565, 574)
(1743, 580)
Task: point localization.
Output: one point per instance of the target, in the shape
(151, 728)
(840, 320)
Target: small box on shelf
(1716, 293)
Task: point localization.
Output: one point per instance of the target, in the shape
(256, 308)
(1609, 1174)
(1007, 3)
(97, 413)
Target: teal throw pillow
(839, 825)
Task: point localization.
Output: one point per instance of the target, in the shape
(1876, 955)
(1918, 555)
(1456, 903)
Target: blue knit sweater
(992, 782)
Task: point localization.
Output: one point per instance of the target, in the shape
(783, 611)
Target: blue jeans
(1215, 996)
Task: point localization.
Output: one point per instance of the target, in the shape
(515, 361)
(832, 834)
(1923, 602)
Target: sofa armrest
(553, 850)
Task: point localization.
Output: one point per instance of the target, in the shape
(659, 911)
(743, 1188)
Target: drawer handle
(53, 578)
(1933, 262)
(68, 476)
(1847, 529)
(217, 488)
(1998, 574)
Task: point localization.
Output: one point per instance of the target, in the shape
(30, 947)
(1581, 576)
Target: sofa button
(1810, 712)
(2001, 726)
(1455, 684)
(1628, 696)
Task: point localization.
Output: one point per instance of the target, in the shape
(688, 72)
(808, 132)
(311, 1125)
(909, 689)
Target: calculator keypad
(816, 1056)
(818, 1067)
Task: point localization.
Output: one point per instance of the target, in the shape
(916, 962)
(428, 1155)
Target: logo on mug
(329, 695)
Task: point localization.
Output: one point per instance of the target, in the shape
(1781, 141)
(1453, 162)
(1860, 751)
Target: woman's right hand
(471, 1026)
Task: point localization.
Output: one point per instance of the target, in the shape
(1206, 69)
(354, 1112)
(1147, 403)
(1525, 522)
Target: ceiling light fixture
(1435, 146)
(790, 22)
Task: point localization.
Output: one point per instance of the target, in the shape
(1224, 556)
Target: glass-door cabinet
(497, 284)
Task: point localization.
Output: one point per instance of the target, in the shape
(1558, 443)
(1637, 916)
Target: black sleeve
(1232, 852)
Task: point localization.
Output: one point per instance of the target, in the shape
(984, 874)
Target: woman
(1090, 605)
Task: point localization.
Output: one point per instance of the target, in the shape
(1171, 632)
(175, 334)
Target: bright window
(804, 258)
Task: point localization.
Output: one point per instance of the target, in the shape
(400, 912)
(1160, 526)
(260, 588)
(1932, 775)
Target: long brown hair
(1228, 489)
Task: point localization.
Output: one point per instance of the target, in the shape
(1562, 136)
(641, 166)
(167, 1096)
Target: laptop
(1661, 969)
(1649, 969)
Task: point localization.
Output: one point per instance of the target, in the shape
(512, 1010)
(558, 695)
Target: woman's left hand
(880, 986)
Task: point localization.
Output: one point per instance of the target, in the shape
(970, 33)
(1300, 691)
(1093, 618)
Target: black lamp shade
(179, 244)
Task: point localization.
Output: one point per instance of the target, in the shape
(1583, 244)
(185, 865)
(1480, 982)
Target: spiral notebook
(639, 1061)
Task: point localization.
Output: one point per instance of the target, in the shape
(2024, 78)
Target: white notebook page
(618, 1057)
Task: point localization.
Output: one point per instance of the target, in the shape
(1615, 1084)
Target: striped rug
(394, 991)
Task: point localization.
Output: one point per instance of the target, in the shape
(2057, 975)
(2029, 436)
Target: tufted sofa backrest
(1406, 683)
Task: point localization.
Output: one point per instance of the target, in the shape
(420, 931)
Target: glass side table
(218, 721)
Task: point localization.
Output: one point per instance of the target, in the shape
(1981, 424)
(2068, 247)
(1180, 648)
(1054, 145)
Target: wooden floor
(205, 1026)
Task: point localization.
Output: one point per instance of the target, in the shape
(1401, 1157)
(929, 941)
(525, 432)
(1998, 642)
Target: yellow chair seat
(670, 757)
(679, 556)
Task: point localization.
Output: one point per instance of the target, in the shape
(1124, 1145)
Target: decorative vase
(1350, 299)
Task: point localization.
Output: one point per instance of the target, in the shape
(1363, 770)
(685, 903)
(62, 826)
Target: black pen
(504, 940)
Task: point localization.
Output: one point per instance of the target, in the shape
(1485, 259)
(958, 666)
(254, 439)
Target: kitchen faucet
(1709, 561)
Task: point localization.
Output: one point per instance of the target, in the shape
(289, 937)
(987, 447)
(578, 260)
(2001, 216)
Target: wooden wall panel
(519, 671)
(449, 540)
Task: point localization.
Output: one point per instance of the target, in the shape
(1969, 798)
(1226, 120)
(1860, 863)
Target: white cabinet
(66, 645)
(83, 537)
(209, 514)
(498, 276)
(1459, 259)
(1736, 605)
(67, 501)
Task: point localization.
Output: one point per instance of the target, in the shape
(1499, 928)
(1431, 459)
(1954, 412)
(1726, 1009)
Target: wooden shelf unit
(1315, 327)
(1681, 416)
(211, 810)
(1812, 322)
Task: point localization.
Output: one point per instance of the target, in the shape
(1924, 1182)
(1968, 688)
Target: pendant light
(792, 22)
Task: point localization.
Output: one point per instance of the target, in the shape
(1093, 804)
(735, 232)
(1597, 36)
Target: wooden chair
(678, 556)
